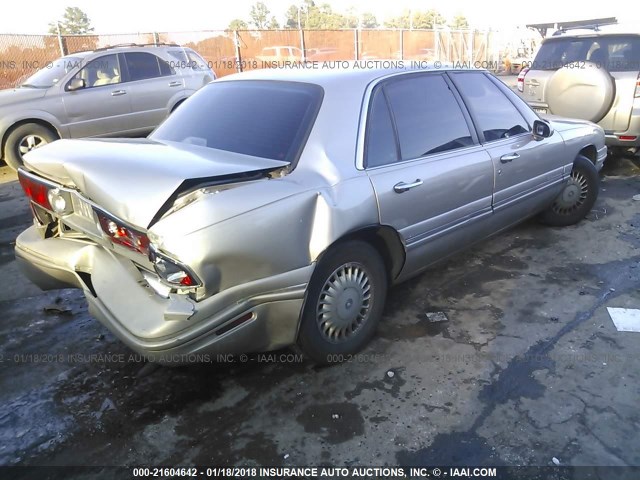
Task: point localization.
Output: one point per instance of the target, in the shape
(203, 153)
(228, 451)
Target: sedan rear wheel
(344, 302)
(576, 198)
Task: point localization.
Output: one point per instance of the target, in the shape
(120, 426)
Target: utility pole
(60, 41)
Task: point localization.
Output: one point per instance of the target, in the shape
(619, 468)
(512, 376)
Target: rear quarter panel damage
(264, 228)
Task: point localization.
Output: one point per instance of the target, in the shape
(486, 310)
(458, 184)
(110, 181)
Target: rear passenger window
(165, 68)
(497, 117)
(380, 140)
(427, 115)
(146, 65)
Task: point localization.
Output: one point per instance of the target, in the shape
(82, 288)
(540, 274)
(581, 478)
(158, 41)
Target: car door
(428, 171)
(524, 167)
(102, 107)
(154, 87)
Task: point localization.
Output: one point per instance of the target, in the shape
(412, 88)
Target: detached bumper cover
(258, 316)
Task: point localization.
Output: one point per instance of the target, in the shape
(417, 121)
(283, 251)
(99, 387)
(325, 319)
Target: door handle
(175, 84)
(405, 187)
(509, 157)
(117, 93)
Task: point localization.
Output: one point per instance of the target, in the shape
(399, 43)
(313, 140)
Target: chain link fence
(231, 51)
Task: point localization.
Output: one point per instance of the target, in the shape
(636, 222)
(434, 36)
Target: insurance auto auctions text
(350, 64)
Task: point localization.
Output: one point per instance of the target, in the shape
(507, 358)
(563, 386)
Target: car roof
(128, 47)
(326, 73)
(586, 33)
(82, 54)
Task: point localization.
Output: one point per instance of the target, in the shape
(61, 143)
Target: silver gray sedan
(276, 207)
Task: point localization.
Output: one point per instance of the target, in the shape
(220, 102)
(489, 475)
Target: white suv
(594, 76)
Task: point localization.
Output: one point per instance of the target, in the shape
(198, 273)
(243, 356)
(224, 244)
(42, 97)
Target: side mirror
(76, 84)
(541, 129)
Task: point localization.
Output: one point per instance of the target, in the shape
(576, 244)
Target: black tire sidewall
(12, 155)
(588, 169)
(310, 339)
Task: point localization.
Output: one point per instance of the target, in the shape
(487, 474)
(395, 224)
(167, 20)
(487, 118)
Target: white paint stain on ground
(625, 319)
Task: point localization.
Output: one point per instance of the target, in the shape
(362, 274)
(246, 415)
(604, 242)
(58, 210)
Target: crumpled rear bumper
(258, 316)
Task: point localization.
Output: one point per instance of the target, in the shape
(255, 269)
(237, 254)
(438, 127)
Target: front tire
(344, 304)
(23, 139)
(577, 197)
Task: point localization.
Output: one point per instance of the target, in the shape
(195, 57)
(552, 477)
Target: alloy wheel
(30, 142)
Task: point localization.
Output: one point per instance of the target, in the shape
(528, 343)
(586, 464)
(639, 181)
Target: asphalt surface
(525, 366)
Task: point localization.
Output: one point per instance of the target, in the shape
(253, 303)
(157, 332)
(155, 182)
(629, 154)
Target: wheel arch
(177, 104)
(590, 152)
(387, 242)
(25, 121)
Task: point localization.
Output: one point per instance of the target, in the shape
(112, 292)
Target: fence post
(486, 46)
(156, 38)
(236, 39)
(436, 44)
(355, 44)
(401, 44)
(471, 38)
(302, 46)
(60, 40)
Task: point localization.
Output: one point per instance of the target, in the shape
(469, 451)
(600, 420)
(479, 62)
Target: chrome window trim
(432, 157)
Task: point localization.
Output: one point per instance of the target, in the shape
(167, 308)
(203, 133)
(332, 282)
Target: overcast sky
(130, 16)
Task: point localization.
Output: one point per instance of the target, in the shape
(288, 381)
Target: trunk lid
(134, 179)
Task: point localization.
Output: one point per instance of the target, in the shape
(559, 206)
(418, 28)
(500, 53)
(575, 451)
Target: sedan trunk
(135, 178)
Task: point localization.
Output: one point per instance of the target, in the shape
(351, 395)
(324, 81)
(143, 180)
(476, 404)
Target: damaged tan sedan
(276, 207)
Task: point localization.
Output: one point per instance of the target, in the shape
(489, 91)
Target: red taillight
(637, 93)
(521, 75)
(36, 191)
(123, 235)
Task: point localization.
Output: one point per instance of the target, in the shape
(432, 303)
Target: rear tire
(23, 139)
(344, 304)
(577, 197)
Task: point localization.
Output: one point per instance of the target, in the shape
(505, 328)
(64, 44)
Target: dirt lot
(528, 367)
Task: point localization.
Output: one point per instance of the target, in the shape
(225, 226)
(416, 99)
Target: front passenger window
(101, 71)
(497, 117)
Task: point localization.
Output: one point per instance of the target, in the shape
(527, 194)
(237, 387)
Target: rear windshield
(268, 119)
(616, 53)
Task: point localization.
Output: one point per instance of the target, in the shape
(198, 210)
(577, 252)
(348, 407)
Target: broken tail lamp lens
(46, 196)
(122, 234)
(37, 192)
(171, 271)
(60, 201)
